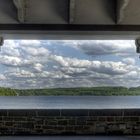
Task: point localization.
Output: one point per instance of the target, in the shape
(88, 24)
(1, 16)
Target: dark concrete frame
(63, 31)
(70, 27)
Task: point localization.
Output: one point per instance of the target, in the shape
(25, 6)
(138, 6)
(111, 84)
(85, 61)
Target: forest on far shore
(83, 91)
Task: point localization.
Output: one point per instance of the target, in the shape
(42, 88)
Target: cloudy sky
(49, 64)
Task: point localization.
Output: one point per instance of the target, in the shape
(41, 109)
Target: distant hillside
(95, 91)
(7, 92)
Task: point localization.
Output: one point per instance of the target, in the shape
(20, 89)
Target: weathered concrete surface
(69, 19)
(70, 138)
(122, 5)
(69, 122)
(102, 12)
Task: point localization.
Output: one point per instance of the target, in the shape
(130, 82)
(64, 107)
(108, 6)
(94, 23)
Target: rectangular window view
(69, 67)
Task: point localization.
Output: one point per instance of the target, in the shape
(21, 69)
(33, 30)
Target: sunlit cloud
(68, 63)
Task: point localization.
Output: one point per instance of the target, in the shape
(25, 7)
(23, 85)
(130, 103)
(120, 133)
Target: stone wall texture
(48, 122)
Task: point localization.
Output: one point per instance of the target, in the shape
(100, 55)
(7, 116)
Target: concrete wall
(47, 122)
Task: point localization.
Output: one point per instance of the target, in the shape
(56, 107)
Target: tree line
(81, 91)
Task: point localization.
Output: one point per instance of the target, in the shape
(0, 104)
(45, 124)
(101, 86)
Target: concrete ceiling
(69, 13)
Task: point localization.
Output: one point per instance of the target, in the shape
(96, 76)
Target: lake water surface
(70, 102)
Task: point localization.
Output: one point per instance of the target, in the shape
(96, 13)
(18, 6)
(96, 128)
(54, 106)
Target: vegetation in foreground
(94, 91)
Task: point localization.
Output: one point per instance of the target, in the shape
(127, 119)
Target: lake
(70, 102)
